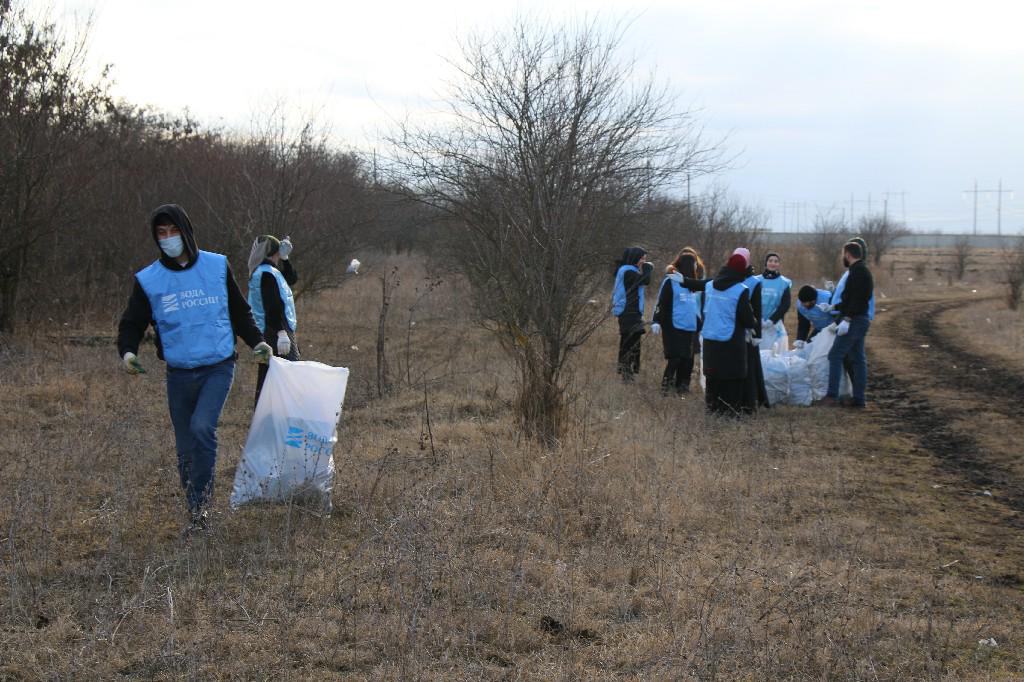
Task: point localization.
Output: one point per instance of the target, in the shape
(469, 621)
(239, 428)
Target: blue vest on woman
(619, 291)
(771, 293)
(817, 317)
(190, 310)
(837, 296)
(720, 311)
(256, 297)
(685, 305)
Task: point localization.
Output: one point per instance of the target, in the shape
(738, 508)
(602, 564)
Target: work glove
(286, 248)
(132, 364)
(831, 328)
(843, 327)
(749, 336)
(798, 344)
(656, 329)
(261, 352)
(353, 267)
(284, 344)
(824, 307)
(767, 326)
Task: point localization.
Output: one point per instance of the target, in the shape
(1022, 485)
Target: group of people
(196, 309)
(725, 317)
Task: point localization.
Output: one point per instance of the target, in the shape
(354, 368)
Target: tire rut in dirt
(956, 451)
(999, 388)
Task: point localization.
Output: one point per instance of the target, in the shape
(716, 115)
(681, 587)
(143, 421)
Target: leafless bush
(551, 149)
(1013, 268)
(827, 242)
(961, 256)
(880, 233)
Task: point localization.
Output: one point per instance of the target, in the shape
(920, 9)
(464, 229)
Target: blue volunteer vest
(771, 293)
(190, 310)
(685, 305)
(619, 291)
(752, 283)
(837, 296)
(819, 319)
(720, 311)
(256, 297)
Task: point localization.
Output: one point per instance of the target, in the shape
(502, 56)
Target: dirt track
(963, 408)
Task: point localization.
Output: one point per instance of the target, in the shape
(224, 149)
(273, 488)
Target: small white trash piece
(289, 454)
(991, 641)
(353, 267)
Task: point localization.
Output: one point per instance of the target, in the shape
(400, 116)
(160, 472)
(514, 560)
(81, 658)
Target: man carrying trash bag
(196, 309)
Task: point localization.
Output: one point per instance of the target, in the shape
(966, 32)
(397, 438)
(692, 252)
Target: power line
(999, 211)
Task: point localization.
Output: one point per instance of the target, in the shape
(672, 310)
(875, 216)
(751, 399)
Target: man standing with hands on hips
(196, 309)
(851, 328)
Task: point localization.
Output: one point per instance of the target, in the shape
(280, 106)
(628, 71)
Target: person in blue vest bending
(677, 319)
(196, 309)
(775, 294)
(631, 279)
(728, 321)
(813, 313)
(271, 275)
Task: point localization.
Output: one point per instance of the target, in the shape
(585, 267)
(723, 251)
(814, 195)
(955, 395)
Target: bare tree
(1013, 269)
(48, 113)
(551, 147)
(722, 224)
(961, 256)
(827, 241)
(880, 233)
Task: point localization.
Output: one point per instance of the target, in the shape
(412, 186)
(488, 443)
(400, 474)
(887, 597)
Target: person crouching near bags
(271, 275)
(727, 319)
(631, 280)
(677, 319)
(191, 299)
(813, 313)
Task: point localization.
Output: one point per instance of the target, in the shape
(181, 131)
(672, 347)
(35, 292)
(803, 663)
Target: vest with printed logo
(685, 305)
(190, 310)
(771, 293)
(837, 296)
(720, 311)
(256, 297)
(817, 317)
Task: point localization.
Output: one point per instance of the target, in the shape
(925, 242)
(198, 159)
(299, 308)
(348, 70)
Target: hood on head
(176, 215)
(632, 255)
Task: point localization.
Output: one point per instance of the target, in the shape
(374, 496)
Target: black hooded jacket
(138, 314)
(725, 360)
(631, 321)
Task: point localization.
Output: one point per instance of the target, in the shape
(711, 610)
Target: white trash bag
(289, 454)
(816, 354)
(775, 339)
(776, 377)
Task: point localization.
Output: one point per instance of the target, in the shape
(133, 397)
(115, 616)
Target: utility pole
(903, 202)
(999, 204)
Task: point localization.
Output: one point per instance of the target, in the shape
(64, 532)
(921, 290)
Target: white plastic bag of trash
(289, 454)
(353, 267)
(816, 353)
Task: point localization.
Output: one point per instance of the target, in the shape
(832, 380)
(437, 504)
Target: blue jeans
(195, 398)
(850, 346)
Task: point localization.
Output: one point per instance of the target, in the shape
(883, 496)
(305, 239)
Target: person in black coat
(725, 334)
(677, 319)
(631, 279)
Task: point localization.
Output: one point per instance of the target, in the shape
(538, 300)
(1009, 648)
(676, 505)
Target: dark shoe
(851, 403)
(828, 401)
(199, 523)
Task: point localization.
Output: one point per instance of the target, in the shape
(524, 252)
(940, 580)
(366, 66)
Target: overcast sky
(822, 101)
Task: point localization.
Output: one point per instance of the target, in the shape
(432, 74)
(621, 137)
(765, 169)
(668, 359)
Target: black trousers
(629, 353)
(261, 369)
(678, 372)
(725, 396)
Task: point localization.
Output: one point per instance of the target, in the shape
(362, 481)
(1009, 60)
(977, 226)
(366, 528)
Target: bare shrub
(827, 242)
(1013, 269)
(961, 256)
(551, 149)
(880, 233)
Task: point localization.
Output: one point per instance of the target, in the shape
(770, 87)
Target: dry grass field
(654, 542)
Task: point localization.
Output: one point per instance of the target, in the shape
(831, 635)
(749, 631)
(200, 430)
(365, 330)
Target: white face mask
(172, 246)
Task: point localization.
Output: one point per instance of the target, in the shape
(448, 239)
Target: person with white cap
(271, 276)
